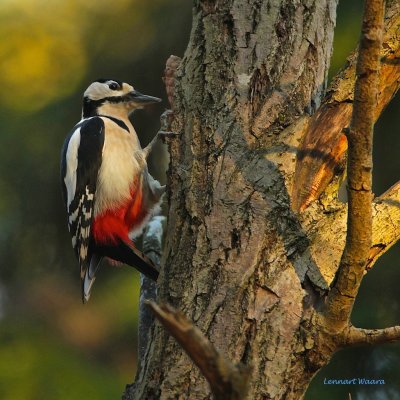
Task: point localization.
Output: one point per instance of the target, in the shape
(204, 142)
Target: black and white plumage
(108, 192)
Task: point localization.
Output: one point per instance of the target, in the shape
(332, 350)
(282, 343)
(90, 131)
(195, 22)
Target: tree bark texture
(238, 261)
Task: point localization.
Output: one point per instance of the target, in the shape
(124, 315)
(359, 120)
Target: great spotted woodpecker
(108, 192)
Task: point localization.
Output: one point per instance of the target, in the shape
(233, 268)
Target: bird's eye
(113, 86)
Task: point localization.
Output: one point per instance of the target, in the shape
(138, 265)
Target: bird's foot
(165, 131)
(166, 120)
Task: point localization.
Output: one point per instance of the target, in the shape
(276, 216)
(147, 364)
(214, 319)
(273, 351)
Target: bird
(108, 192)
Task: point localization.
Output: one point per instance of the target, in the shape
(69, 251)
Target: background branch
(359, 219)
(358, 336)
(324, 145)
(227, 381)
(385, 223)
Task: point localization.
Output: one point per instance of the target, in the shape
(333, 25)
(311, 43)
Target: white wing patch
(73, 216)
(72, 165)
(83, 252)
(79, 225)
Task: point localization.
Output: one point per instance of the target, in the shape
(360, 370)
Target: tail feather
(90, 276)
(128, 254)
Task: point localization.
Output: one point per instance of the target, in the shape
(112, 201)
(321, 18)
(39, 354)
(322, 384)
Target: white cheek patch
(72, 165)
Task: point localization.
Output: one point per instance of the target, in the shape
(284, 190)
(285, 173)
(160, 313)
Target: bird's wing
(80, 164)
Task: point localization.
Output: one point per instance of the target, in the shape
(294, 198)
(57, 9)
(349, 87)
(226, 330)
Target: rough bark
(238, 261)
(328, 236)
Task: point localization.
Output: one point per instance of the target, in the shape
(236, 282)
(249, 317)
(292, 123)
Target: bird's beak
(141, 99)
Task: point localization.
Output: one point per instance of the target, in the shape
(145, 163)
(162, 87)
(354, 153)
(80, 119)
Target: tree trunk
(237, 261)
(233, 250)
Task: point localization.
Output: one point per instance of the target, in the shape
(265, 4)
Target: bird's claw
(163, 135)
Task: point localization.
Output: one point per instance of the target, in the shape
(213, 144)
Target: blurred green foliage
(52, 347)
(36, 366)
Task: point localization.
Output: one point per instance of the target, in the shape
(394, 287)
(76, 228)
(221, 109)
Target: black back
(81, 209)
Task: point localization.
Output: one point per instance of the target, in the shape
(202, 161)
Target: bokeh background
(51, 346)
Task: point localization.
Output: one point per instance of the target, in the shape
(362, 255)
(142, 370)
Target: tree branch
(328, 236)
(359, 219)
(357, 336)
(385, 223)
(324, 145)
(152, 240)
(227, 381)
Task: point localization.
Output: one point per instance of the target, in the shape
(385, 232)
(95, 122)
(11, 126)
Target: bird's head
(114, 98)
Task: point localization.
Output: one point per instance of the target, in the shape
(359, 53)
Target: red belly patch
(114, 225)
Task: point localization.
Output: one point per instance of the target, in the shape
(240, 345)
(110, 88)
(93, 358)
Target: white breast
(121, 164)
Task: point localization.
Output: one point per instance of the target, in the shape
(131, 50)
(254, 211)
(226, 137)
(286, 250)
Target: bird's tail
(90, 276)
(128, 254)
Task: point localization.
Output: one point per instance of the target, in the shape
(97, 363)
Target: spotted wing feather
(81, 161)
